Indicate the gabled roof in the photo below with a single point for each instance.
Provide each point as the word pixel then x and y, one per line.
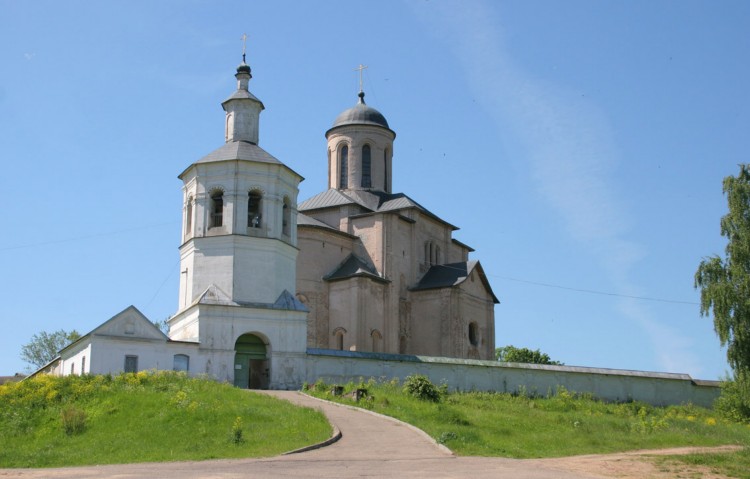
pixel 352 267
pixel 214 295
pixel 452 274
pixel 288 301
pixel 129 313
pixel 370 201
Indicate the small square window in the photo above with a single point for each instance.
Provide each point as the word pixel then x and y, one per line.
pixel 181 362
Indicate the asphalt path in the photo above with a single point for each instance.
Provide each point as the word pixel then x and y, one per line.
pixel 370 446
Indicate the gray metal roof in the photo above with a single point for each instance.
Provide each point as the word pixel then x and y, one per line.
pixel 400 201
pixel 452 274
pixel 326 199
pixel 304 220
pixel 360 114
pixel 244 95
pixel 289 302
pixel 240 150
pixel 351 267
pixel 370 201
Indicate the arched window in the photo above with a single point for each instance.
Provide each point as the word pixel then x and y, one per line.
pixel 431 253
pixel 474 333
pixel 286 217
pixel 366 167
pixel 189 216
pixel 83 365
pixel 344 167
pixel 254 199
pixel 181 362
pixel 338 334
pixel 217 209
pixel 228 126
pixel 385 169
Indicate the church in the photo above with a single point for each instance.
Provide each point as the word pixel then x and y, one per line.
pixel 265 280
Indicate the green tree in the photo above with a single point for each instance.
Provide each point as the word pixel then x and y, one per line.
pixel 725 284
pixel 512 354
pixel 725 292
pixel 163 325
pixel 44 346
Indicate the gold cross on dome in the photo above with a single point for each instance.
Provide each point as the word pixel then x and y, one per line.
pixel 361 68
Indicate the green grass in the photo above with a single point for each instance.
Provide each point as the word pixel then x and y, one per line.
pixel 563 424
pixel 736 464
pixel 145 417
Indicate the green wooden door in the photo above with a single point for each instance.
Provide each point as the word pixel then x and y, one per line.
pixel 250 352
pixel 241 370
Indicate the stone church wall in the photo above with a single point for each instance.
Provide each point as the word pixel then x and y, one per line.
pixel 659 389
pixel 320 253
pixel 369 230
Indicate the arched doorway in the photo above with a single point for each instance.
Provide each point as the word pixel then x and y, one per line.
pixel 250 363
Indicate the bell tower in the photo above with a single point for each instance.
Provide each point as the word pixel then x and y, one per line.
pixel 239 231
pixel 238 257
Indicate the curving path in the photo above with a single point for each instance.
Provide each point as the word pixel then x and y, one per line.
pixel 370 446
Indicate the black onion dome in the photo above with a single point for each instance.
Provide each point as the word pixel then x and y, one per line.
pixel 360 114
pixel 243 68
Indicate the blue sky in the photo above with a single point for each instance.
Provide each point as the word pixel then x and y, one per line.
pixel 579 145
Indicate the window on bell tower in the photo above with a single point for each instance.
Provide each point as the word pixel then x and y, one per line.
pixel 366 167
pixel 344 167
pixel 217 209
pixel 254 199
pixel 286 217
pixel 189 217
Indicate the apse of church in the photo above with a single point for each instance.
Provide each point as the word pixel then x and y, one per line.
pixel 378 271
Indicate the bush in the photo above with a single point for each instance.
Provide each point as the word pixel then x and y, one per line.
pixel 734 402
pixel 73 420
pixel 237 433
pixel 420 387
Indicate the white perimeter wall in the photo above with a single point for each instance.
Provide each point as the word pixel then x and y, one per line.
pixel 659 389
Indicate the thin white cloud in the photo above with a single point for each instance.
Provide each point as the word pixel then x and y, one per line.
pixel 571 154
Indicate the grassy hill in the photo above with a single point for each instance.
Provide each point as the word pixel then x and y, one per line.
pixel 77 420
pixel 557 424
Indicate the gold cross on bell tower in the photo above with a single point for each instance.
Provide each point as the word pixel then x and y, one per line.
pixel 361 68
